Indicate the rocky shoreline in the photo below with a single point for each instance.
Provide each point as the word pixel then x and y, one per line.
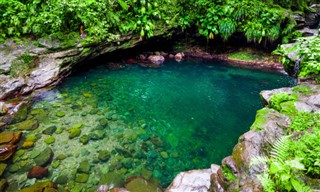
pixel 53 65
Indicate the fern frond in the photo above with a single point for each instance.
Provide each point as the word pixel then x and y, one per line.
pixel 259 160
pixel 280 149
pixel 266 182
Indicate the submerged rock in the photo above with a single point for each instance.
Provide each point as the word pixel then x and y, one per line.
pixel 60 114
pixel 74 132
pixel 41 187
pixel 6 151
pixel 49 130
pixel 29 124
pixel 104 155
pixel 84 167
pixel 84 139
pixel 10 137
pixel 49 140
pixel 62 179
pixel 38 172
pixel 44 158
pixel 138 184
pixel 27 144
pixel 82 178
pixel 112 179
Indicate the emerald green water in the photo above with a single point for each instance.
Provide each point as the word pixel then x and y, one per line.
pixel 179 117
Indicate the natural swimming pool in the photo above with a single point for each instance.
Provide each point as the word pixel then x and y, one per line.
pixel 102 124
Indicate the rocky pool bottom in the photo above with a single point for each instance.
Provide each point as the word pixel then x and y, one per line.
pixel 103 127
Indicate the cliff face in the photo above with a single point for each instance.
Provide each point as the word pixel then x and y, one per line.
pixel 33 64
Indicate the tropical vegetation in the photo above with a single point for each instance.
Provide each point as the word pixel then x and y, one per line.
pixel 295 156
pixel 259 21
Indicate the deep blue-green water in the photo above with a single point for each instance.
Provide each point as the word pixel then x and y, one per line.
pixel 162 121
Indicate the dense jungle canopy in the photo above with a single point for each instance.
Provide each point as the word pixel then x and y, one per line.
pixel 109 19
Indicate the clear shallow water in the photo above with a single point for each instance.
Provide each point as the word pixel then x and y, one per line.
pixel 162 121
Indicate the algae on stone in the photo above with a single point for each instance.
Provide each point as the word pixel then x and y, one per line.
pixel 82 178
pixel 49 140
pixel 44 158
pixel 260 120
pixel 74 132
pixel 29 124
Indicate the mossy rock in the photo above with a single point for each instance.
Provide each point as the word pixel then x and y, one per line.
pixel 49 140
pixel 60 114
pixel 55 164
pixel 164 154
pixel 77 125
pixel 31 138
pixel 84 167
pixel 112 179
pixel 81 178
pixel 104 155
pixel 260 120
pixel 103 122
pixel 30 124
pixel 84 139
pixel 74 132
pixel 62 180
pixel 61 157
pixel 59 130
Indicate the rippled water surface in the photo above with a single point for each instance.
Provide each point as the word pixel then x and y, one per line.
pixel 149 122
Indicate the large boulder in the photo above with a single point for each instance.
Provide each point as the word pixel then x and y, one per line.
pixel 195 180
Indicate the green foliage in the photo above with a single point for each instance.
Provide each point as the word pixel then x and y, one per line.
pixel 304 121
pixel 277 99
pixel 283 171
pixel 303 89
pixel 106 20
pixel 244 56
pixel 227 172
pixel 308 54
pixel 307 148
pixel 260 120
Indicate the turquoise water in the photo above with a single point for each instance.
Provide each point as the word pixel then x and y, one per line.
pixel 154 122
